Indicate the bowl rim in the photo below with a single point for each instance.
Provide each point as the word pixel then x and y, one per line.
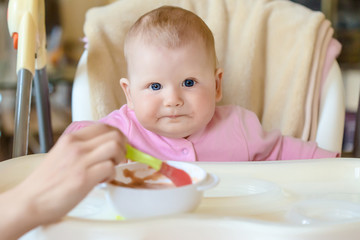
pixel 193 185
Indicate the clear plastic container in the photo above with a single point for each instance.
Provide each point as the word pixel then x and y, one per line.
pixel 249 196
pixel 320 211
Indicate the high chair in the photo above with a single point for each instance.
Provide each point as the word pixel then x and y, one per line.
pixel 278 59
pixel 26 23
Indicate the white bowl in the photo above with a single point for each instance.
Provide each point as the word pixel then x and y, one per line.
pixel 133 203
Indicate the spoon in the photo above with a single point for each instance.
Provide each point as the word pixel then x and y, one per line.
pixel 178 176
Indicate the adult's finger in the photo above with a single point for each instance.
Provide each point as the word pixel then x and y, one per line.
pixel 93 130
pixel 96 135
pixel 110 145
pixel 103 171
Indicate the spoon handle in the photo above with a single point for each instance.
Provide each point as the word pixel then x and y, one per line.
pixel 138 156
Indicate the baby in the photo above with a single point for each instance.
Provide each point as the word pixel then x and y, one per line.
pixel 172 89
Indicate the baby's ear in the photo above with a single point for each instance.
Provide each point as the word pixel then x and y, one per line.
pixel 125 85
pixel 218 80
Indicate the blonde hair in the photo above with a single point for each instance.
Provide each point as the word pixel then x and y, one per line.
pixel 171 27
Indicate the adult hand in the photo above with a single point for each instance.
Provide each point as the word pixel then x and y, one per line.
pixel 78 161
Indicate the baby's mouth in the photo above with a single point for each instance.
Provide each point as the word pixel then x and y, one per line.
pixel 173 116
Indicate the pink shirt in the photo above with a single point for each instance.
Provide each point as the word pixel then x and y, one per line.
pixel 233 134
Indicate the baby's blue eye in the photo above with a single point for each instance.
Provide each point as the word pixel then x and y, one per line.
pixel 188 83
pixel 155 86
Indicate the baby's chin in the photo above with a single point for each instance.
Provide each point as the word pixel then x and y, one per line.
pixel 174 134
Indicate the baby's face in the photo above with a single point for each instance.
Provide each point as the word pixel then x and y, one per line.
pixel 172 91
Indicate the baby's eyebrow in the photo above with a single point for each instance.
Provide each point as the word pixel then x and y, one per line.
pixel 191 78
pixel 148 81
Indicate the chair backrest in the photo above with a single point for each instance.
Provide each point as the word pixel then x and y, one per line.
pixel 273 53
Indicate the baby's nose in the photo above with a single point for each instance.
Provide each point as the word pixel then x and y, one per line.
pixel 173 98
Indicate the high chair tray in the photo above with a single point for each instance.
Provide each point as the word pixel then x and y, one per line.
pixel 303 199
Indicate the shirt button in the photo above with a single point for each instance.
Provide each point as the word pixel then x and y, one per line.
pixel 185 151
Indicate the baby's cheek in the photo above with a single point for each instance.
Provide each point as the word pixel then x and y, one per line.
pixel 147 119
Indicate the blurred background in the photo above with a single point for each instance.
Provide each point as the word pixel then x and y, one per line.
pixel 64 30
